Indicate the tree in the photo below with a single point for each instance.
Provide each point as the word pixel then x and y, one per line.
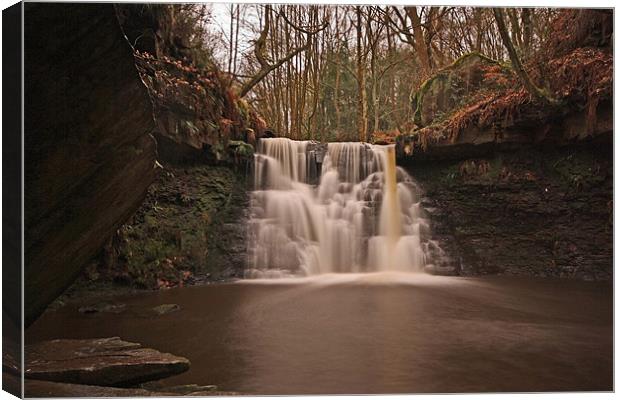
pixel 527 82
pixel 361 54
pixel 260 50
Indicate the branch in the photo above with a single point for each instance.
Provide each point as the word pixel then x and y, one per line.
pixel 307 31
pixel 267 68
pixel 261 43
pixel 260 49
pixel 534 90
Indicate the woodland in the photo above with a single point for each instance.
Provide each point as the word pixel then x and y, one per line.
pixel 428 180
pixel 316 71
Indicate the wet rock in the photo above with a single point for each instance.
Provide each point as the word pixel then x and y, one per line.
pixel 180 390
pixel 38 388
pixel 104 362
pixel 516 217
pixel 440 270
pixel 166 309
pixel 88 141
pixel 102 307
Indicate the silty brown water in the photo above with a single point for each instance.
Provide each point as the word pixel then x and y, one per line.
pixel 370 333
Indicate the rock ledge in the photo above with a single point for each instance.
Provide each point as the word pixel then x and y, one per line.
pixel 102 362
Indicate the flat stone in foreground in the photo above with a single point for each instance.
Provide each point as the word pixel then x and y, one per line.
pixel 101 362
pixel 35 388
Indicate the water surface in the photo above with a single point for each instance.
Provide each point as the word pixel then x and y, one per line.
pixel 370 333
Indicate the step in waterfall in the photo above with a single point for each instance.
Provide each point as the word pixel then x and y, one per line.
pixel 344 207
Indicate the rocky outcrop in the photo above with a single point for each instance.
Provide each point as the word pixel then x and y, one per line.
pixel 515 185
pixel 543 212
pixel 533 127
pixel 89 153
pixel 190 228
pixel 103 362
pixel 197 110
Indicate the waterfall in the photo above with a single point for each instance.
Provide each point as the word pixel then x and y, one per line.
pixel 363 215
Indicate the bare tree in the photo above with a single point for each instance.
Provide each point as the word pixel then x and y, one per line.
pixel 527 82
pixel 260 50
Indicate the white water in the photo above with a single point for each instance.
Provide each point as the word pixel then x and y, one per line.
pixel 363 216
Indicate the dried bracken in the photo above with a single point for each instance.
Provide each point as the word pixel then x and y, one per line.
pixel 198 105
pixel 579 79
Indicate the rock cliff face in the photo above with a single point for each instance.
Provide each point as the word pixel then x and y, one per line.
pixel 197 114
pixel 89 151
pixel 536 211
pixel 190 228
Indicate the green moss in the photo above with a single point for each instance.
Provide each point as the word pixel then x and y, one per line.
pixel 243 108
pixel 180 226
pixel 424 89
pixel 576 169
pixel 242 148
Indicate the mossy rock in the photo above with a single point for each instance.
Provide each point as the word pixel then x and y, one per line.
pixel 241 148
pixel 171 241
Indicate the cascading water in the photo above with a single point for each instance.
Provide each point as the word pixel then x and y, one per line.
pixel 363 216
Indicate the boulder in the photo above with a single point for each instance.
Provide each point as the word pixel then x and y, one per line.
pixel 90 156
pixel 103 362
pixel 166 308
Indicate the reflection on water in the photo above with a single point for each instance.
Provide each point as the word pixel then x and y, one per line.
pixel 371 333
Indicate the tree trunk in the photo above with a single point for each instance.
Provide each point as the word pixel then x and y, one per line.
pixel 534 90
pixel 362 106
pixel 420 45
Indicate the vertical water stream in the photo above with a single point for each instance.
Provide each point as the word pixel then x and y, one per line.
pixel 362 216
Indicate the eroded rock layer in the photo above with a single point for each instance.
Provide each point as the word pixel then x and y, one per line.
pixel 89 153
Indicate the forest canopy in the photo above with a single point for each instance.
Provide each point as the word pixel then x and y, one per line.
pixel 355 72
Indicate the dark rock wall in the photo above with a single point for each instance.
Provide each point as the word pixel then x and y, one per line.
pixel 534 211
pixel 89 153
pixel 191 228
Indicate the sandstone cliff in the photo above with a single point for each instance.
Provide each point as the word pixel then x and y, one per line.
pixel 89 151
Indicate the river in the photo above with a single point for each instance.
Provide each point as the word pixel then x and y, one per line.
pixel 382 332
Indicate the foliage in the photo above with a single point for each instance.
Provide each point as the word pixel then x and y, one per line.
pixel 196 105
pixel 579 79
pixel 452 85
pixel 176 234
